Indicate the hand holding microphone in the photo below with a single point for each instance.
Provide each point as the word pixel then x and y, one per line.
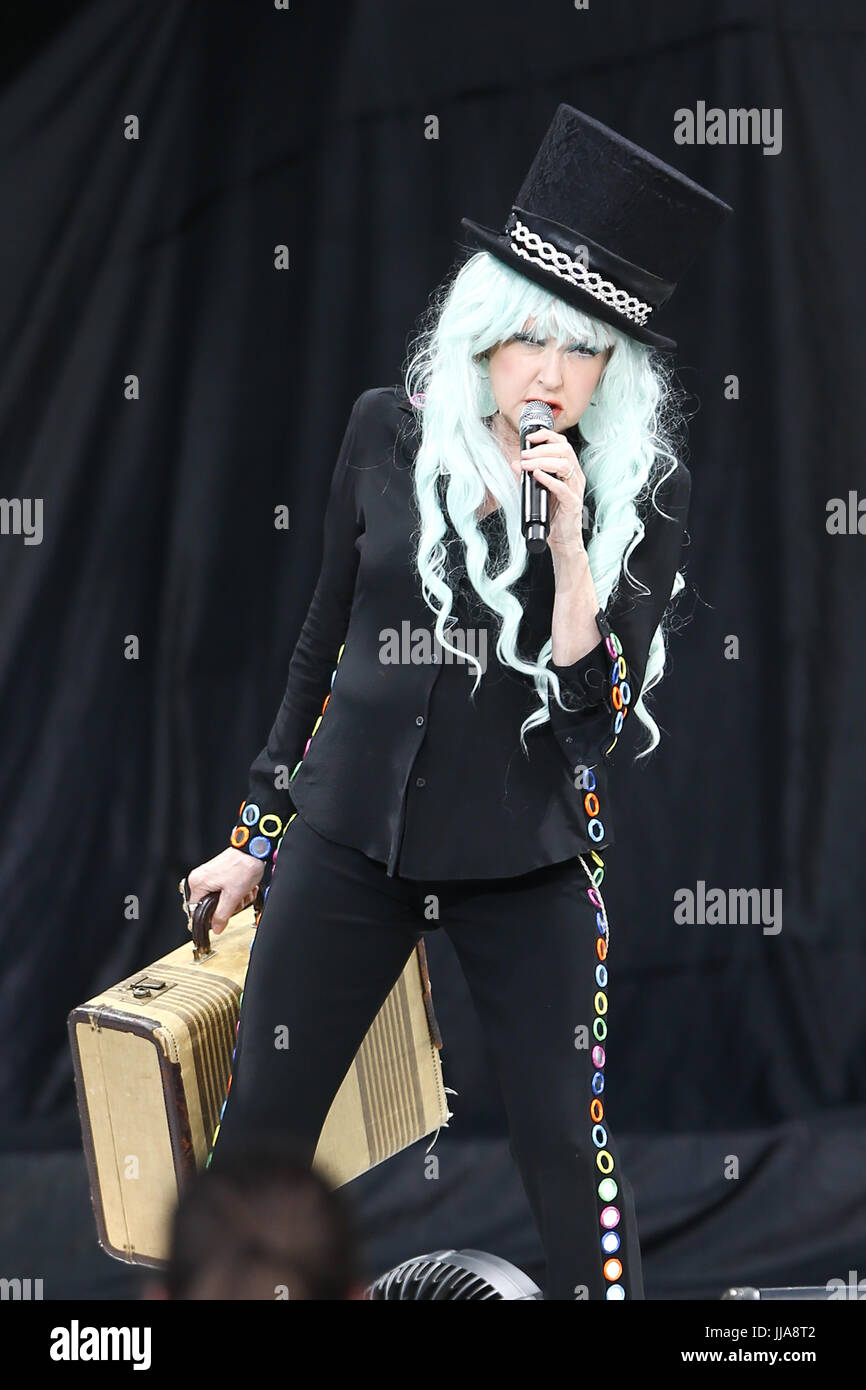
pixel 554 456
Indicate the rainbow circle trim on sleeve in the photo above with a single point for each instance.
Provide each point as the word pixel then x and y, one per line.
pixel 251 833
pixel 619 699
pixel 259 833
pixel 313 734
pixel 620 689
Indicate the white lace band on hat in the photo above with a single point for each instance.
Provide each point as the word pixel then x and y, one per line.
pixel 573 270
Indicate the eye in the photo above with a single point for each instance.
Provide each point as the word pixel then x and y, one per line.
pixel 581 349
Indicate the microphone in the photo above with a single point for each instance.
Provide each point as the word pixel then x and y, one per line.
pixel 536 510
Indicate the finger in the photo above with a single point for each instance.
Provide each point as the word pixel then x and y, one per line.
pixel 552 465
pixel 225 908
pixel 565 497
pixel 556 446
pixel 200 889
pixel 557 467
pixel 552 481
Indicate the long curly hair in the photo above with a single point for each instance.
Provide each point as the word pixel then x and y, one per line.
pixel 626 446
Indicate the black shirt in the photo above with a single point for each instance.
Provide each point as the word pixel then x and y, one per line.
pixel 392 757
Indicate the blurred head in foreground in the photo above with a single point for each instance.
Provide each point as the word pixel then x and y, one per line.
pixel 262 1225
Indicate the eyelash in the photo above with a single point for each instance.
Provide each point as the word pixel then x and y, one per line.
pixel 527 338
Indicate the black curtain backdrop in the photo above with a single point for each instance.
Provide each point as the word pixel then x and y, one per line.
pixel 153 257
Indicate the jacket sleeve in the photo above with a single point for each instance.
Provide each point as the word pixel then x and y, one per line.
pixel 268 807
pixel 603 685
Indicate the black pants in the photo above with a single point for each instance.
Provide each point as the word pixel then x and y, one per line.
pixel 334 935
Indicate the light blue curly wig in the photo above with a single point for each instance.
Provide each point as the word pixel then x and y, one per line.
pixel 633 424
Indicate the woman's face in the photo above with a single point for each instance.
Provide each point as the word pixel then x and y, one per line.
pixel 524 368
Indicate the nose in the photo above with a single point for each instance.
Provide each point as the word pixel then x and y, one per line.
pixel 550 369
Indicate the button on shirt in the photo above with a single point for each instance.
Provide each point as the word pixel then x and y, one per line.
pixel 381 745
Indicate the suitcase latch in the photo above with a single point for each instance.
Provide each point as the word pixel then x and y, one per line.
pixel 147 986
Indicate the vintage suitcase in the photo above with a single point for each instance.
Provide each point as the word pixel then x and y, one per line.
pixel 152 1059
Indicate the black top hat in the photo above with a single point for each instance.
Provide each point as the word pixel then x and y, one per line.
pixel 604 224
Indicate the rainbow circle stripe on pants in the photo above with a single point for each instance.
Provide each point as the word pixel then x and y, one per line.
pixel 608 1214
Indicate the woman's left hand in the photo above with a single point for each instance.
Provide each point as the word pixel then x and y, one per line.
pixel 554 457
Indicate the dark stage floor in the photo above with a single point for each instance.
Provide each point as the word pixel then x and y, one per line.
pixel 796 1214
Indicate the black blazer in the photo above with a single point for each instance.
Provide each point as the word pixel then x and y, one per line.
pixel 376 742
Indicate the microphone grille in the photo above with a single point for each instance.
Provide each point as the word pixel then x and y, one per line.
pixel 536 414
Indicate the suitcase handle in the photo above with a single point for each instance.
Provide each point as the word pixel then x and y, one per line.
pixel 199 919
